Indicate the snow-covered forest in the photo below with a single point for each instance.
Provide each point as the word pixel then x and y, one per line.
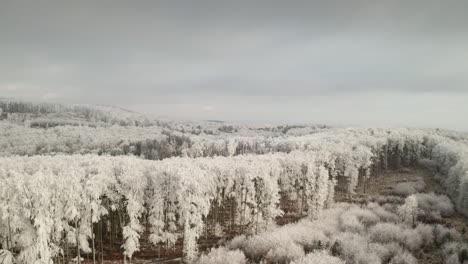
pixel 95 184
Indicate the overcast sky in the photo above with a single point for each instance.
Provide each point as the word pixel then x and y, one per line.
pixel 350 62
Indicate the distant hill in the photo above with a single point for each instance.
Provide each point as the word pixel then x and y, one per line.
pixel 47 115
pixel 41 114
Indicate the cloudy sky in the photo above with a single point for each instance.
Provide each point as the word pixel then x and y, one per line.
pixel 350 62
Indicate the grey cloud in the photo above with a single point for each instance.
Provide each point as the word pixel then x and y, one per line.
pixel 194 52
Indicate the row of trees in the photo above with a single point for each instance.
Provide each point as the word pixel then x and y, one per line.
pixel 19 110
pixel 451 160
pixel 52 204
pixel 47 115
pixel 155 143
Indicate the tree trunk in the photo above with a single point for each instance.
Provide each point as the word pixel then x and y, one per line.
pixel 9 241
pixel 256 224
pixel 92 238
pixel 112 226
pixel 241 210
pixel 233 208
pixel 298 201
pixel 66 250
pixel 78 242
pixel 63 256
pixel 245 208
pixel 100 242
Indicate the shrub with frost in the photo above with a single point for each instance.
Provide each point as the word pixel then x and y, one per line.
pixel 237 242
pixel 411 239
pixel 309 235
pixel 284 253
pixel 350 223
pixel 385 251
pixel 455 252
pixel 311 239
pixel 355 249
pixel 257 247
pixel 409 210
pixel 355 219
pixel 391 233
pixel 390 207
pixel 277 244
pixel 403 257
pixel 443 235
pixel 351 234
pixel 221 256
pixel 384 215
pixel 433 204
pixel 319 257
pixel 218 230
pixel 426 233
pixel 6 257
pixel 452 259
pixel 385 233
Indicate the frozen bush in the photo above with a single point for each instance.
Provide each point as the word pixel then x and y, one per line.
pixel 306 235
pixel 411 239
pixel 409 210
pixel 451 247
pixel 284 253
pixel 257 247
pixel 237 242
pixel 221 256
pixel 460 250
pixel 426 232
pixel 310 239
pixel 6 257
pixel 380 250
pixel 385 251
pixel 430 216
pixel 319 257
pixel 274 243
pixel 350 223
pixel 384 215
pixel 430 202
pixel 355 218
pixel 367 235
pixel 403 257
pixel 355 249
pixel 218 230
pixel 385 233
pixel 389 207
pixel 453 259
pixel 443 235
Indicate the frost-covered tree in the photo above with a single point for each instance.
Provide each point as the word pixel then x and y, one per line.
pixel 409 210
pixel 51 204
pixel 221 256
pixel 6 257
pixel 320 192
pixel 320 257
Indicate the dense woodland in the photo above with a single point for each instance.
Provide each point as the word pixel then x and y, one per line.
pixel 67 190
